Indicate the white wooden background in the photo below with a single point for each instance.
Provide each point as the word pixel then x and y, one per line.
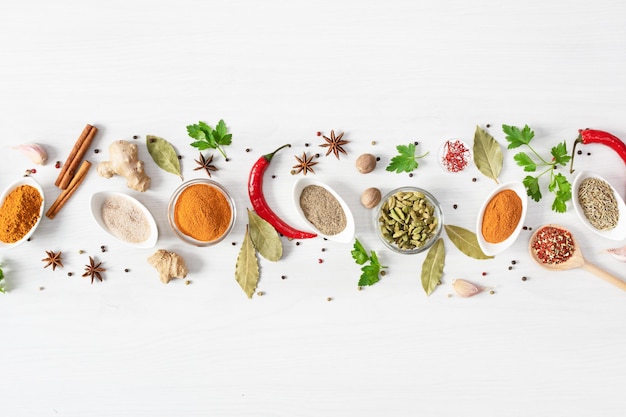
pixel 279 71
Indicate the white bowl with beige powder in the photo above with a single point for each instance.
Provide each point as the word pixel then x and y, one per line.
pixel 124 218
pixel 323 210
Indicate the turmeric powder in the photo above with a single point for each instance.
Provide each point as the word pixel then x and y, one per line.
pixel 502 214
pixel 202 212
pixel 19 213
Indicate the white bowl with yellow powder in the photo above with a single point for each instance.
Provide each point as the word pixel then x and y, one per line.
pixel 21 208
pixel 501 217
pixel 323 210
pixel 599 206
pixel 124 218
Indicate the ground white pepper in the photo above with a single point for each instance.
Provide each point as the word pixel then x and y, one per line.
pixel 323 210
pixel 125 220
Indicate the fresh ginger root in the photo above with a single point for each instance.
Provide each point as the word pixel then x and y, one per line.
pixel 168 264
pixel 124 162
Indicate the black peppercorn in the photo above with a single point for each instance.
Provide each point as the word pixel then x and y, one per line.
pixel 455 206
pixel 96 150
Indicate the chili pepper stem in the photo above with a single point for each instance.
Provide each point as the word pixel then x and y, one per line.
pixel 578 140
pixel 270 155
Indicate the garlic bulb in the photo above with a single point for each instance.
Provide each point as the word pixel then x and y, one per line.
pixel 35 152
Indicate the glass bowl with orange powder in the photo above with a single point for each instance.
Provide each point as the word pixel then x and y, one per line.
pixel 201 212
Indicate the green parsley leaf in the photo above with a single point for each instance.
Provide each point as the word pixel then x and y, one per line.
pixel 406 161
pixel 209 138
pixel 359 254
pixel 560 154
pixel 1 281
pixel 369 275
pixel 517 137
pixel 532 187
pixel 525 161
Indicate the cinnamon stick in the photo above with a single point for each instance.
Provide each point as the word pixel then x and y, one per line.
pixel 76 155
pixel 69 191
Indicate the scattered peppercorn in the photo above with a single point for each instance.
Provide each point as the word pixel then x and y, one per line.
pixel 180 157
pixel 273 176
pixel 33 171
pixel 455 206
pixel 29 239
pixel 227 159
pixel 297 243
pixel 41 288
pixel 513 262
pixel 57 164
pixel 329 299
pixel 373 142
pixel 317 155
pixel 126 270
pixel 293 172
pixel 474 179
pixel 588 153
pixel 319 133
pixel 492 292
pixel 484 274
pixel 525 227
pixel 319 261
pixel 187 282
pixel 323 249
pixel 306 144
pixel 69 274
pixel 247 149
pixel 80 251
pixel 524 278
pixel 510 267
pixel 96 151
pixel 579 152
pixel 135 137
pixel 283 277
pixel 378 158
pixel 233 243
pixel 383 273
pixel 416 143
pixel 260 293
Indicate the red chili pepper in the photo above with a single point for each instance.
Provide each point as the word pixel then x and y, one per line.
pixel 598 136
pixel 255 191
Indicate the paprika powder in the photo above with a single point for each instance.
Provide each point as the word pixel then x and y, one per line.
pixel 502 215
pixel 203 212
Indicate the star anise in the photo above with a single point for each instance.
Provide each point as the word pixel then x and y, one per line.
pixel 205 163
pixel 53 259
pixel 334 144
pixel 93 270
pixel 305 164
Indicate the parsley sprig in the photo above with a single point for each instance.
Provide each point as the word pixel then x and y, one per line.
pixel 370 273
pixel 558 183
pixel 206 137
pixel 1 280
pixel 406 160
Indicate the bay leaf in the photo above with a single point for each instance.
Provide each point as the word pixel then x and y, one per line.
pixel 487 154
pixel 163 154
pixel 247 267
pixel 466 241
pixel 265 238
pixel 432 268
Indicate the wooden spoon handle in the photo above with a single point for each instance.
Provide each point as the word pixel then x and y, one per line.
pixel 611 279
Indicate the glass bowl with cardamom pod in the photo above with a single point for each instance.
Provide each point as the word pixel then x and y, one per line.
pixel 201 212
pixel 408 220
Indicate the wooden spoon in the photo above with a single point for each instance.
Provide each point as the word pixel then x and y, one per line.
pixel 576 261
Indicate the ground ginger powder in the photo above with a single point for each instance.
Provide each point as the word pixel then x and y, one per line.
pixel 19 213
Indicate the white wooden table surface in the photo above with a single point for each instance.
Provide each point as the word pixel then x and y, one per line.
pixel 277 72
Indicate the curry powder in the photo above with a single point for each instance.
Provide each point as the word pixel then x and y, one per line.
pixel 19 213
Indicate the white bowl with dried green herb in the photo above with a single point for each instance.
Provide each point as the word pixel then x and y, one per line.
pixel 599 206
pixel 408 220
pixel 323 210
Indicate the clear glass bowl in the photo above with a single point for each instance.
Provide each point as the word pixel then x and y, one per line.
pixel 172 205
pixel 437 213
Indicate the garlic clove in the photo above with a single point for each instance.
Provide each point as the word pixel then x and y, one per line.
pixel 465 288
pixel 34 152
pixel 618 253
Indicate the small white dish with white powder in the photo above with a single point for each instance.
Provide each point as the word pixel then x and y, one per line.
pixel 124 218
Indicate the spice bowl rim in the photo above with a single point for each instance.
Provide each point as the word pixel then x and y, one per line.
pixel 27 180
pixel 98 198
pixel 438 212
pixel 619 231
pixel 347 234
pixel 492 249
pixel 172 203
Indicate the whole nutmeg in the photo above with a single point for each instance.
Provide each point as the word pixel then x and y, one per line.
pixel 366 163
pixel 370 197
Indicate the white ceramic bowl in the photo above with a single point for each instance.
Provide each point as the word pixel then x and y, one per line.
pixel 347 234
pixel 23 181
pixel 98 199
pixel 492 249
pixel 619 231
